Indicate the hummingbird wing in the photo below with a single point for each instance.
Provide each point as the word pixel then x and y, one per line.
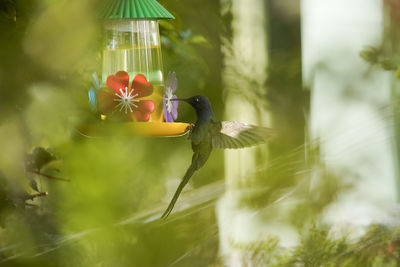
pixel 232 134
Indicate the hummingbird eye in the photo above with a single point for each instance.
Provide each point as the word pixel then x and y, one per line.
pixel 196 99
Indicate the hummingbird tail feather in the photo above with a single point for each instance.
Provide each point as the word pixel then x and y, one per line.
pixel 184 181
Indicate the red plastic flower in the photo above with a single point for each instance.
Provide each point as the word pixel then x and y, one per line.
pixel 126 99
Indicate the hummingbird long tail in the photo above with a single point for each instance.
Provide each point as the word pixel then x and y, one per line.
pixel 184 181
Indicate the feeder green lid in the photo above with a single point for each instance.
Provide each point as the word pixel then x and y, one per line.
pixel 133 9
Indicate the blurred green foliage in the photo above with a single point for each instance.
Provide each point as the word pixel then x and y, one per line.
pixel 378 247
pixel 106 215
pixel 49 51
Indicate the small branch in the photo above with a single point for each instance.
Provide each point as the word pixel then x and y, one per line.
pixel 49 176
pixel 41 194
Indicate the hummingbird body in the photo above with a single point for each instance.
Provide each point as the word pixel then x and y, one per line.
pixel 207 133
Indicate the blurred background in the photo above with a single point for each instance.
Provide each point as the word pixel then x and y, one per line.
pixel 323 192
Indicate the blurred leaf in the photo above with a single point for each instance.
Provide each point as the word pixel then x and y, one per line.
pixel 32 183
pixel 388 64
pixel 370 54
pixel 198 39
pixel 38 158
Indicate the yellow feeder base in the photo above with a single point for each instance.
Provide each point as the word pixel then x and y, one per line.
pixel 134 129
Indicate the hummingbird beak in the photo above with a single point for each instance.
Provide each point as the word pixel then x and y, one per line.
pixel 179 99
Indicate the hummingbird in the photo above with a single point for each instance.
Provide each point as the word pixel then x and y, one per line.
pixel 207 134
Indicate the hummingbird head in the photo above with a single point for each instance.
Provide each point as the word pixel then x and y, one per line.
pixel 201 104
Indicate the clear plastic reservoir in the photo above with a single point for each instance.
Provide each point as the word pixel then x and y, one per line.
pixel 134 46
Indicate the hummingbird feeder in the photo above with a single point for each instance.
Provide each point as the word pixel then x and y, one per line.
pixel 132 81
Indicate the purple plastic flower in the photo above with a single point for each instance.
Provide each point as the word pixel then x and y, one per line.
pixel 170 107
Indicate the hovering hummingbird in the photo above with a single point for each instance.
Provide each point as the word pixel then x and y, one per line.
pixel 207 134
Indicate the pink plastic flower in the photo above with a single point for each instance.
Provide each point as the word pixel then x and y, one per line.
pixel 125 99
